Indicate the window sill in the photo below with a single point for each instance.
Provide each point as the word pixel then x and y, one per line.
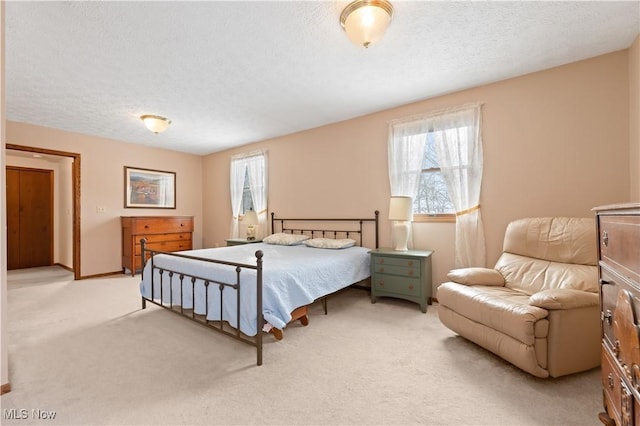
pixel 425 218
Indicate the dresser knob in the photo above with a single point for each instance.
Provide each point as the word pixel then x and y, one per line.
pixel 607 316
pixel 410 273
pixel 411 287
pixel 410 263
pixel 605 238
pixel 146 227
pixel 381 283
pixel 381 270
pixel 182 224
pixel 381 260
pixel 604 282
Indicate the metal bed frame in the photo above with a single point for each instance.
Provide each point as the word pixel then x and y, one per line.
pixel 221 325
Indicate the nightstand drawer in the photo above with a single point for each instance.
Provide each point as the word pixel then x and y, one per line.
pixel 397 285
pixel 396 261
pixel 398 270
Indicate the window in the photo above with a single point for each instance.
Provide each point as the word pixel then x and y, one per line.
pixel 248 178
pixel 432 200
pixel 247 200
pixel 455 135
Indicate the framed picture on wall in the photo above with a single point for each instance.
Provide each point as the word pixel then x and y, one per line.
pixel 149 189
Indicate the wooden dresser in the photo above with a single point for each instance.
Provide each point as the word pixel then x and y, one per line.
pixel 618 229
pixel 165 233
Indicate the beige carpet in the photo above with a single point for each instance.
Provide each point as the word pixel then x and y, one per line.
pixel 86 350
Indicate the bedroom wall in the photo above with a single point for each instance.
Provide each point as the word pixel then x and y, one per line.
pixel 556 142
pixel 634 119
pixel 5 386
pixel 102 184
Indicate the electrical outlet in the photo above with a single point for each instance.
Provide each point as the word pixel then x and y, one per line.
pixel 100 209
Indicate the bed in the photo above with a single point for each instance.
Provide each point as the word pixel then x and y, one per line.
pixel 246 290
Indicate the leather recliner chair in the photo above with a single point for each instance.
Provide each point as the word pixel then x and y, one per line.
pixel 539 307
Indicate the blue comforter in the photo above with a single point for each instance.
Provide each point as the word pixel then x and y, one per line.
pixel 293 276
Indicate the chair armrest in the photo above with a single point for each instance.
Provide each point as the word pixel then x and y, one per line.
pixel 564 298
pixel 476 276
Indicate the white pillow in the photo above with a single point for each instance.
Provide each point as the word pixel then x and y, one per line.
pixel 284 239
pixel 330 243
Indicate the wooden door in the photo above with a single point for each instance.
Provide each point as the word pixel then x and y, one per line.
pixel 29 217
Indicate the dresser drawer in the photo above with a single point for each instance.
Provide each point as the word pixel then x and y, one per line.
pixel 152 238
pixel 161 225
pixel 610 285
pixel 611 385
pixel 166 246
pixel 619 248
pixel 397 285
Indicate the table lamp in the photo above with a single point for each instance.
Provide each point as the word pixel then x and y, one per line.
pixel 251 220
pixel 401 211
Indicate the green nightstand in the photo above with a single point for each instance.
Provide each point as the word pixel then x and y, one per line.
pixel 240 241
pixel 401 274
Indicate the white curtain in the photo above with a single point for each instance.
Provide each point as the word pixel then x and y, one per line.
pixel 458 139
pixel 238 167
pixel 255 165
pixel 407 140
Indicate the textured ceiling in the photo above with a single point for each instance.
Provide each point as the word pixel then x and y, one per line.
pixel 235 72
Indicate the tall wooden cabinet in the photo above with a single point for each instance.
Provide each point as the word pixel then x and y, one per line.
pixel 164 233
pixel 618 229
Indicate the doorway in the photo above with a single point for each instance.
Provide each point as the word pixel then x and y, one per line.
pixel 75 183
pixel 29 217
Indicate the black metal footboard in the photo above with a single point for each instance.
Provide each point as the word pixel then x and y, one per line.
pixel 184 278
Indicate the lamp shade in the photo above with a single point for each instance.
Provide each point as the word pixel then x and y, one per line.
pixel 155 123
pixel 400 208
pixel 250 218
pixel 365 21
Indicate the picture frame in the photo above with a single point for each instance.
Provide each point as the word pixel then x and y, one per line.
pixel 149 189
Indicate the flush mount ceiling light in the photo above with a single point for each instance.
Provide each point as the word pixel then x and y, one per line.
pixel 155 123
pixel 365 21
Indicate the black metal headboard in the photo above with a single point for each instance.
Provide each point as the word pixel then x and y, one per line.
pixel 345 227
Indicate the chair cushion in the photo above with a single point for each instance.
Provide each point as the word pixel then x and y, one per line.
pixel 500 308
pixel 530 275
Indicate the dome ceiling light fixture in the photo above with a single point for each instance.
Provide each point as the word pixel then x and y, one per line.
pixel 155 123
pixel 365 21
